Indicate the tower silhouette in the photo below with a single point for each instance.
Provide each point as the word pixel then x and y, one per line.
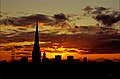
pixel 44 58
pixel 44 55
pixel 36 53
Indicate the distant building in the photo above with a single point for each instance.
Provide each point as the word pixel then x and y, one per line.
pixel 58 57
pixel 44 59
pixel 44 55
pixel 24 60
pixel 85 59
pixel 70 58
pixel 36 54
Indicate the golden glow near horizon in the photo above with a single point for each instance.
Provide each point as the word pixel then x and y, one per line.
pixel 51 52
pixel 7 56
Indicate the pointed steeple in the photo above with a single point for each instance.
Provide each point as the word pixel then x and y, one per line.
pixel 36 54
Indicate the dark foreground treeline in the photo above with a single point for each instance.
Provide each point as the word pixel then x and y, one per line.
pixel 60 70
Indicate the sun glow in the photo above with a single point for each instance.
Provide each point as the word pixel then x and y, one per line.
pixel 40 24
pixel 60 49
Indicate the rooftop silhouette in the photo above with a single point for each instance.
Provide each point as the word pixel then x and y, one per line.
pixel 57 68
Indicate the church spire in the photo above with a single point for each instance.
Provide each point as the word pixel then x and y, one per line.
pixel 36 54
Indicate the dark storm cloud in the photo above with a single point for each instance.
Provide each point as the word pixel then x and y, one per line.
pixel 60 17
pixel 103 15
pixel 107 44
pixel 115 44
pixel 40 17
pixel 24 53
pixel 21 37
pixel 108 20
pixel 5 34
pixel 60 20
pixel 8 48
pixel 88 9
pixel 12 30
pixel 99 10
pixel 31 20
pixel 26 20
pixel 18 47
pixel 96 10
pixel 93 30
pixel 110 47
pixel 99 43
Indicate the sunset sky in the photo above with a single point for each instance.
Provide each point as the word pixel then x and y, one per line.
pixel 81 28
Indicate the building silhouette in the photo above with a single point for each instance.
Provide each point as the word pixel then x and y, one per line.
pixel 44 58
pixel 24 60
pixel 58 57
pixel 70 58
pixel 36 53
pixel 85 59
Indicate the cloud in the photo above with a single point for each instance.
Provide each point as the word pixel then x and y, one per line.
pixel 8 48
pixel 93 30
pixel 107 44
pixel 88 9
pixel 57 20
pixel 22 29
pixel 18 47
pixel 73 17
pixel 103 15
pixel 61 17
pixel 26 20
pixel 96 43
pixel 23 53
pixel 14 30
pixel 100 10
pixel 1 16
pixel 4 34
pixel 108 20
pixel 31 20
